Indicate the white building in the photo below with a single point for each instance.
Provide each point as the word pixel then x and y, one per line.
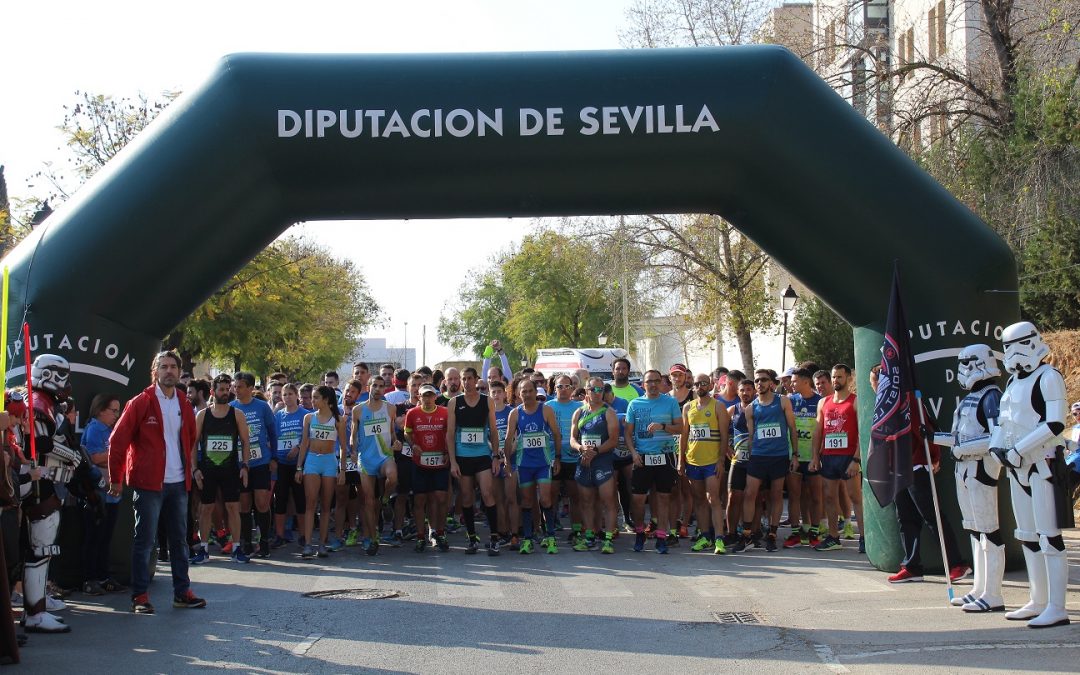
pixel 375 352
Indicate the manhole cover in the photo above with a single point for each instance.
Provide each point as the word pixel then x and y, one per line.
pixel 737 617
pixel 355 594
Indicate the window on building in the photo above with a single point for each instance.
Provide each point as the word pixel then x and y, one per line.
pixel 941 28
pixel 931 32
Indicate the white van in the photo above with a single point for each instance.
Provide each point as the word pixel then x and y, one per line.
pixel 597 361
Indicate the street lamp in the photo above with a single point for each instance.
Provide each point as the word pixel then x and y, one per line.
pixel 787 303
pixel 602 339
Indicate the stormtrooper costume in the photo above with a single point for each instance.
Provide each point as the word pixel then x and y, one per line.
pixel 54 442
pixel 977 473
pixel 1028 441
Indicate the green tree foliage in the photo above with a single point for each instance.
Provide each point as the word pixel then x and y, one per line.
pixel 554 290
pixel 818 334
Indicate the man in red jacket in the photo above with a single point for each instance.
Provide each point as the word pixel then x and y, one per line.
pixel 150 449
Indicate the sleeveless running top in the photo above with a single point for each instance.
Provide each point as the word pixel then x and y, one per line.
pixel 374 435
pixel 534 443
pixel 471 434
pixel 502 419
pixel 703 442
pixel 740 436
pixel 841 427
pixel 770 430
pixel 290 427
pixel 805 410
pixel 322 431
pixel 593 426
pixel 220 441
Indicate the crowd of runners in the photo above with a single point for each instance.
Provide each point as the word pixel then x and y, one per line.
pixel 427 459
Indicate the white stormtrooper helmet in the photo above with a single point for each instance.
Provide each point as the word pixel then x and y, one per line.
pixel 976 363
pixel 51 373
pixel 1024 347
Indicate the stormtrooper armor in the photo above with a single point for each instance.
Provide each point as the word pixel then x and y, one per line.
pixel 1028 441
pixel 977 472
pixel 54 440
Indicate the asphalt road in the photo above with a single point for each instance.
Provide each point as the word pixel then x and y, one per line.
pixel 571 612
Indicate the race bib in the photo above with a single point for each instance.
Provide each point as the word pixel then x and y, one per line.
pixel 767 431
pixel 374 427
pixel 699 432
pixel 654 460
pixel 502 436
pixel 254 452
pixel 286 444
pixel 434 460
pixel 622 452
pixel 323 434
pixel 406 450
pixel 351 466
pixel 471 435
pixel 591 441
pixel 742 451
pixel 836 441
pixel 534 441
pixel 219 444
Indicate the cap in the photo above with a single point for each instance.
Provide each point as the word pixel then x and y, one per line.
pixel 428 389
pixel 790 372
pixel 678 368
pixel 1075 407
pixel 540 391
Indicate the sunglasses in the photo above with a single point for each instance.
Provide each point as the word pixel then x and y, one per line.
pixel 762 379
pixel 114 410
pixel 564 386
pixel 703 384
pixel 600 390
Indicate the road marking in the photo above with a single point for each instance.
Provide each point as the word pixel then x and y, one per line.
pixel 964 648
pixel 307 644
pixel 829 660
pixel 592 585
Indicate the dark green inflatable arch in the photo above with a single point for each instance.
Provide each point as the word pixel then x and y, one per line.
pixel 748 133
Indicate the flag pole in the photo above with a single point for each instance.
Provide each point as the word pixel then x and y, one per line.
pixel 933 493
pixel 4 326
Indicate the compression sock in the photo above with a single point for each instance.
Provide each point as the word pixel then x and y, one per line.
pixel 527 523
pixel 469 516
pixel 262 519
pixel 245 527
pixel 549 521
pixel 492 515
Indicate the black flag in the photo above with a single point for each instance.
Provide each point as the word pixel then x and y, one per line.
pixel 888 462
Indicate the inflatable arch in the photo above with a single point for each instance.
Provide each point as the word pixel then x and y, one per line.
pixel 749 133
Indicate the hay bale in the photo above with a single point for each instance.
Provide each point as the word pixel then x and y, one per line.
pixel 1065 356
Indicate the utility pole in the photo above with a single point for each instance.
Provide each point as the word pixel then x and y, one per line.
pixel 424 349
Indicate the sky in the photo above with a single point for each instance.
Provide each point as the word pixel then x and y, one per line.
pixel 52 49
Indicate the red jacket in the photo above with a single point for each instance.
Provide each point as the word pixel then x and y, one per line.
pixel 137 442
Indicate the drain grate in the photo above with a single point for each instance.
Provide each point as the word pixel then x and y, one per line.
pixel 355 594
pixel 737 617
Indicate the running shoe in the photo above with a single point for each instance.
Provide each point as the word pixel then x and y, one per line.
pixel 581 545
pixel 739 546
pixel 493 547
pixel 92 588
pixel 442 543
pixel 650 527
pixel 804 537
pixel 278 542
pixel 240 557
pixel 628 527
pixel 758 541
pixel 323 552
pixel 398 539
pixel 718 547
pixel 473 545
pixel 957 572
pixel 335 545
pixel 264 549
pixel 829 543
pixel 188 600
pixel 352 538
pixel 639 542
pixel 849 530
pixel 201 556
pixel 661 545
pixel 140 604
pixel 549 544
pixel 421 544
pixel 452 525
pixel 904 577
pixel 572 538
pixel 227 549
pixel 770 543
pixel 682 531
pixel 862 545
pixel 308 552
pixel 515 543
pixel 701 544
pixel 607 547
pixel 526 546
pixel 590 543
pixel 813 541
pixel 672 539
pixel 372 548
pixel 793 540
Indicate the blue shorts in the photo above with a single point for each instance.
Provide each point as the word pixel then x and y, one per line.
pixel 597 473
pixel 372 468
pixel 700 472
pixel 321 465
pixel 426 481
pixel 834 467
pixel 527 475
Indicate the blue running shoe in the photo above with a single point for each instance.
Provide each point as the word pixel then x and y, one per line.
pixel 639 542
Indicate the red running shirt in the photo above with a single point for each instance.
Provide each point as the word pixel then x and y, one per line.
pixel 840 431
pixel 428 431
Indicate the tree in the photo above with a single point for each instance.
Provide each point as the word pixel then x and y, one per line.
pixel 818 334
pixel 554 290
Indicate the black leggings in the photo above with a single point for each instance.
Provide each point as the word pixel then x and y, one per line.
pixel 285 486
